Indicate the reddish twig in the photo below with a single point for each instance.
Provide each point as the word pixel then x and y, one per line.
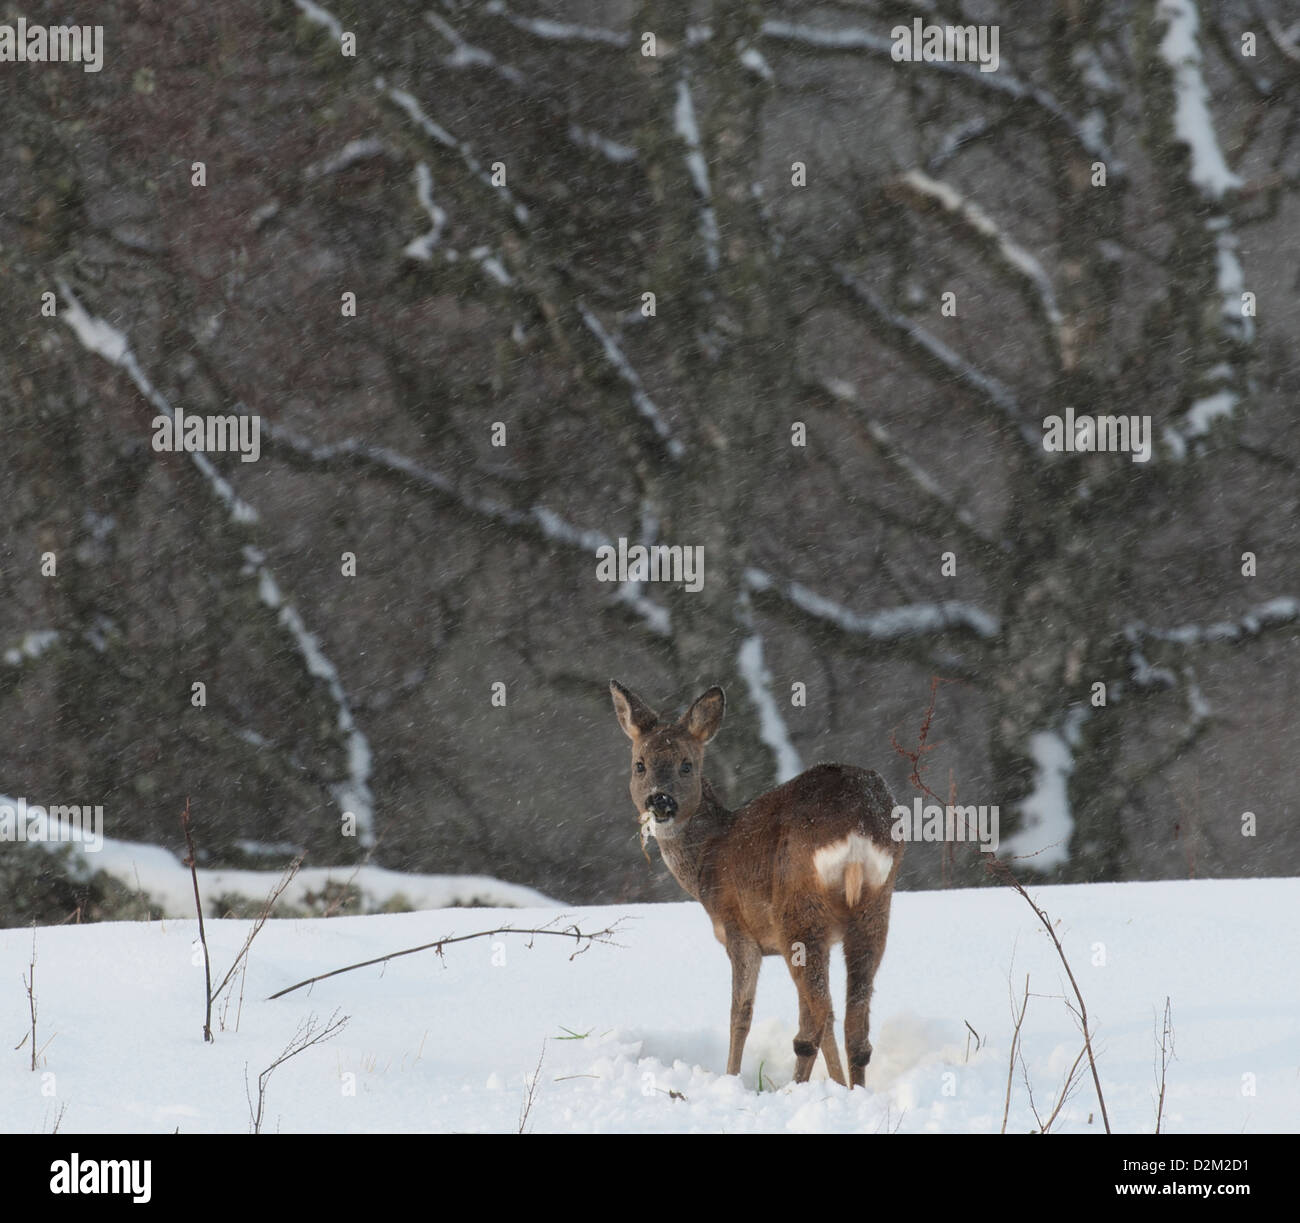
pixel 923 745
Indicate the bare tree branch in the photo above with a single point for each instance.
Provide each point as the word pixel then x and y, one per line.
pixel 969 220
pixel 941 361
pixel 353 794
pixel 582 937
pixel 820 41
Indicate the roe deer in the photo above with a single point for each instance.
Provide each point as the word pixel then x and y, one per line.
pixel 792 873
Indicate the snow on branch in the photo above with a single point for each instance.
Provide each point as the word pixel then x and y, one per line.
pixel 936 496
pixel 1193 123
pixel 1221 386
pixel 106 341
pixel 1200 719
pixel 1142 672
pixel 992 391
pixel 538 522
pixel 632 592
pixel 406 102
pixel 31 647
pixel 466 55
pixel 926 193
pixel 827 40
pixel 853 42
pixel 614 151
pixel 422 248
pixel 643 403
pixel 893 624
pixel 556 31
pixel 352 794
pixel 772 730
pixel 1286 41
pixel 1275 613
pixel 957 138
pixel 686 126
pixel 322 17
pixel 351 153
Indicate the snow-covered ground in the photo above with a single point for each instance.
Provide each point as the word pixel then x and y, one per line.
pixel 160 874
pixel 166 881
pixel 634 1037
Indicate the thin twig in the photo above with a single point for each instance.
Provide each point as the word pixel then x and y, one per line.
pixel 1003 871
pixel 287 878
pixel 1015 1041
pixel 1067 1090
pixel 203 938
pixel 531 1089
pixel 1166 1056
pixel 1029 1091
pixel 29 980
pixel 584 939
pixel 308 1034
pixel 923 746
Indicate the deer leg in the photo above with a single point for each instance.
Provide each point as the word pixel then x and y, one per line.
pixel 746 960
pixel 809 964
pixel 831 1052
pixel 864 943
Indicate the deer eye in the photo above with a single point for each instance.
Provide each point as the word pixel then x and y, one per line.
pixel 640 766
pixel 686 766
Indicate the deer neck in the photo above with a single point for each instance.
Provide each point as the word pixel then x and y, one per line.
pixel 684 849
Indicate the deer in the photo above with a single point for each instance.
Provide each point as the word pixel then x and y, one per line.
pixel 795 871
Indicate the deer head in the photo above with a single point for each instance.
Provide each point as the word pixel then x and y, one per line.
pixel 667 757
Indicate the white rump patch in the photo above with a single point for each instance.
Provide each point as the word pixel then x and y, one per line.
pixel 831 860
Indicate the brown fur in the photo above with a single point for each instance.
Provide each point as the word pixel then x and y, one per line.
pixel 754 872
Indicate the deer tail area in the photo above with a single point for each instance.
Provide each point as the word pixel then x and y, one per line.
pixel 853 878
pixel 855 863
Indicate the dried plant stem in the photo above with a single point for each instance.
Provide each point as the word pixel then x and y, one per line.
pixel 1003 871
pixel 1015 1045
pixel 530 1091
pixel 287 878
pixel 582 937
pixel 203 938
pixel 308 1034
pixel 1166 1056
pixel 29 980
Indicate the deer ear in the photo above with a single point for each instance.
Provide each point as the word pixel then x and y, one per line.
pixel 704 718
pixel 634 715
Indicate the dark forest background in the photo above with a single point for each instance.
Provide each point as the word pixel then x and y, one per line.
pixel 481 304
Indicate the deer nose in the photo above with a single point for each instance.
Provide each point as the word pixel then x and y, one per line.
pixel 664 806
